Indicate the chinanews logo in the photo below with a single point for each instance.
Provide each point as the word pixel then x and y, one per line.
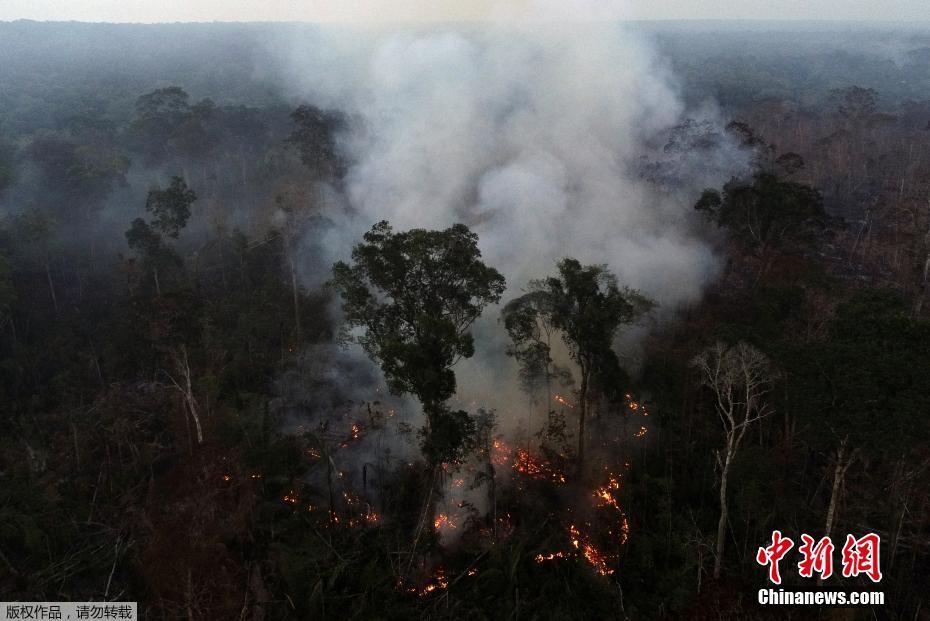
pixel 858 557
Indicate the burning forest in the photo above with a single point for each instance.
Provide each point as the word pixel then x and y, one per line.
pixel 537 317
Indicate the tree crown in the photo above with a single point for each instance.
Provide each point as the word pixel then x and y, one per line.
pixel 415 294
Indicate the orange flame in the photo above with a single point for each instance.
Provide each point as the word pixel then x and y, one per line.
pixel 538 469
pixel 500 453
pixel 563 401
pixel 595 558
pixel 542 558
pixel 438 582
pixel 443 521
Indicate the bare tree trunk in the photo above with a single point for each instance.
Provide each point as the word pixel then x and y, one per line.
pixel 492 488
pixel 837 470
pixel 427 515
pixel 729 371
pixel 724 514
pixel 330 467
pixel 839 474
pixel 548 371
pixel 582 415
pixel 897 534
pixel 187 390
pixel 157 284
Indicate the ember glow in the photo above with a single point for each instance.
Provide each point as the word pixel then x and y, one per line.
pixel 542 558
pixel 605 493
pixel 636 406
pixel 438 582
pixel 584 547
pixel 526 464
pixel 563 401
pixel 368 519
pixel 443 521
pixel 501 453
pixel 354 434
pixel 599 561
pixel 606 496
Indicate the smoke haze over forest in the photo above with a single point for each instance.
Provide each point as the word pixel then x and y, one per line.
pixel 256 402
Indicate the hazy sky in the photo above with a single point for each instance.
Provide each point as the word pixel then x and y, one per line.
pixel 454 10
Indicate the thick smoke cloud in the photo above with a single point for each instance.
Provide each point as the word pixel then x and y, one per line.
pixel 532 134
pixel 532 138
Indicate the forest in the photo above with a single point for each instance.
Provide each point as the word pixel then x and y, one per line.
pixel 438 326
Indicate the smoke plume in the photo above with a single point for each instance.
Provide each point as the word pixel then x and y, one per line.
pixel 533 134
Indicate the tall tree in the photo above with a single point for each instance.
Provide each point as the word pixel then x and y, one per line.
pixel 293 210
pixel 587 307
pixel 738 377
pixel 527 320
pixel 414 295
pixel 145 241
pixel 159 115
pixel 77 176
pixel 766 213
pixel 315 139
pixel 170 209
pixel 38 235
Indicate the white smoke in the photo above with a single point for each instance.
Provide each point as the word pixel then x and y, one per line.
pixel 535 135
pixel 529 136
pixel 532 134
